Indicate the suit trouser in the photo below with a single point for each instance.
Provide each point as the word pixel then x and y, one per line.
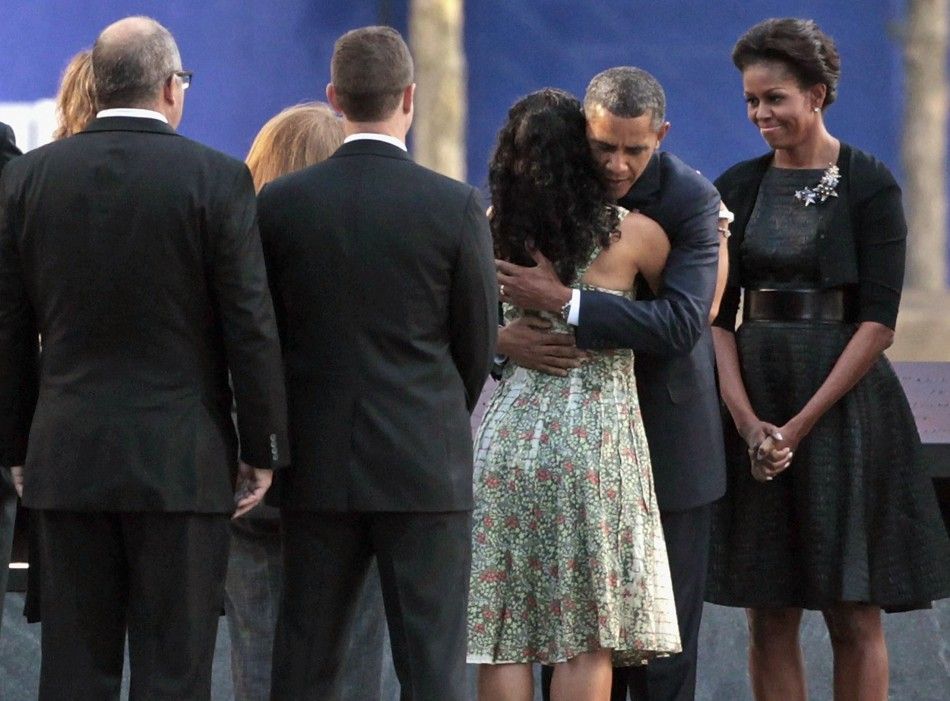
pixel 424 561
pixel 158 576
pixel 672 678
pixel 8 503
pixel 252 598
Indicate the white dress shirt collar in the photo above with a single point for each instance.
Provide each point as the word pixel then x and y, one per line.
pixel 371 136
pixel 132 112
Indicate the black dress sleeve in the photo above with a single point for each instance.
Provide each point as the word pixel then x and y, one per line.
pixel 881 242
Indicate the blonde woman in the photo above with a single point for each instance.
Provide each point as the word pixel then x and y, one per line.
pixel 297 137
pixel 76 99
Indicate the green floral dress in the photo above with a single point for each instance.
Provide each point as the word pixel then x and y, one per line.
pixel 568 553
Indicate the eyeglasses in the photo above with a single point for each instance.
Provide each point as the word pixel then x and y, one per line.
pixel 185 77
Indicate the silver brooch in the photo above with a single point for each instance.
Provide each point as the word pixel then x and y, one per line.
pixel 823 190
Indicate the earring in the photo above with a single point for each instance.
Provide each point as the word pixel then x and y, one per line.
pixel 816 109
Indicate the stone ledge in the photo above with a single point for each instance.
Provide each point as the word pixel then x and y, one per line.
pixel 923 327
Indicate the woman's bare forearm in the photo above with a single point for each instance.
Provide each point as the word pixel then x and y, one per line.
pixel 731 386
pixel 863 350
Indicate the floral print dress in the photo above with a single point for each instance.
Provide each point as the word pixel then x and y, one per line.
pixel 568 553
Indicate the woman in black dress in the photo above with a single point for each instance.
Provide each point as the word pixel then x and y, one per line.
pixel 828 505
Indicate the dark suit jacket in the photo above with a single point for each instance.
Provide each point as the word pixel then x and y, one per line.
pixel 675 363
pixel 861 245
pixel 385 291
pixel 8 149
pixel 135 253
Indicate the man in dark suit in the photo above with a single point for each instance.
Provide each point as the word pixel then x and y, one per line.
pixel 670 334
pixel 8 151
pixel 386 300
pixel 134 252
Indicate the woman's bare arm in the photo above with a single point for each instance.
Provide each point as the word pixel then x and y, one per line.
pixel 722 276
pixel 767 460
pixel 640 247
pixel 863 350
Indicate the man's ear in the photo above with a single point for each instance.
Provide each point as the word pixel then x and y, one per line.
pixel 408 95
pixel 332 98
pixel 168 91
pixel 662 132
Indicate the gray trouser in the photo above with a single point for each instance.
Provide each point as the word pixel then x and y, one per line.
pixel 252 594
pixel 7 519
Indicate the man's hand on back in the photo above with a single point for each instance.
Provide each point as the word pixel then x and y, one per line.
pixel 529 342
pixel 537 287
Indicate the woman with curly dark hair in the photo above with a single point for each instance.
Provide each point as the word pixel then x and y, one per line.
pixel 569 564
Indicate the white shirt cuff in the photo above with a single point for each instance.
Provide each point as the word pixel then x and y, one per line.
pixel 574 313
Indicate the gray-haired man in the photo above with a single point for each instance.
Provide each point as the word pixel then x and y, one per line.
pixel 135 253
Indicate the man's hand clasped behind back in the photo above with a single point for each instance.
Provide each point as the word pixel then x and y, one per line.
pixel 17 473
pixel 252 485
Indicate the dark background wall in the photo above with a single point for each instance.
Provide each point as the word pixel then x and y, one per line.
pixel 253 58
pixel 515 47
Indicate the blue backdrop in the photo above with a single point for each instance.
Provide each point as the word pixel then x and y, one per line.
pixel 253 58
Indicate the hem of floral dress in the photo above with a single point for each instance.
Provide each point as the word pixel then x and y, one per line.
pixel 621 657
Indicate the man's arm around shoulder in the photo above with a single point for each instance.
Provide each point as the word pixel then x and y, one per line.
pixel 672 323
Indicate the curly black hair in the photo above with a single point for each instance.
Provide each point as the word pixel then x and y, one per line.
pixel 546 189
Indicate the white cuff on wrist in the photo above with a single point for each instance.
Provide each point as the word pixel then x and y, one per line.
pixel 574 313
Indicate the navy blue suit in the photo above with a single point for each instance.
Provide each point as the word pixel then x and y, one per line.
pixel 676 383
pixel 675 363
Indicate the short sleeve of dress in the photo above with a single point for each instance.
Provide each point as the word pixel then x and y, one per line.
pixel 881 240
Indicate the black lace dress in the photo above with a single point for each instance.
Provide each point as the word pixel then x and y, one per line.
pixel 855 517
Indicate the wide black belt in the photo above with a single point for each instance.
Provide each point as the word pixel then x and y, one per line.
pixel 834 305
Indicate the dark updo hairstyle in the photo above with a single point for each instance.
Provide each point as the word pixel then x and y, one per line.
pixel 808 53
pixel 547 192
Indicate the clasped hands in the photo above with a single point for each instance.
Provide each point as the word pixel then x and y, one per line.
pixel 771 448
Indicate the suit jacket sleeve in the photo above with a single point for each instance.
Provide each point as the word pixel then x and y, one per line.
pixel 672 323
pixel 239 282
pixel 272 256
pixel 473 305
pixel 18 339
